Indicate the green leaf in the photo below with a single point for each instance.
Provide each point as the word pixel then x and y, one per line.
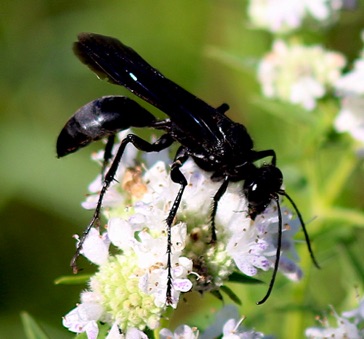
pixel 103 329
pixel 72 279
pixel 356 262
pixel 243 279
pixel 230 293
pixel 31 328
pixel 217 294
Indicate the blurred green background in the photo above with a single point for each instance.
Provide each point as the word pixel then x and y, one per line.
pixel 208 48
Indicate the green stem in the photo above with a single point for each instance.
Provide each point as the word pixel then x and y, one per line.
pixel 347 215
pixel 337 180
pixel 354 260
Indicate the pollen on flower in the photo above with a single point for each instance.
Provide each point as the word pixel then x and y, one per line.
pixel 117 284
pixel 133 183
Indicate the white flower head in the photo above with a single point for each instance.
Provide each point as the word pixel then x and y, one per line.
pixel 299 74
pixel 134 270
pixel 282 16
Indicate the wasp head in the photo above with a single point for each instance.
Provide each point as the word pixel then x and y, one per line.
pixel 261 186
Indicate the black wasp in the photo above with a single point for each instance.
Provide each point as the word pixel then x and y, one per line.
pixel 216 143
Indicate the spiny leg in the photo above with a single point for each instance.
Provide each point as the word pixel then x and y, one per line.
pixel 163 142
pixel 215 201
pixel 178 178
pixel 278 253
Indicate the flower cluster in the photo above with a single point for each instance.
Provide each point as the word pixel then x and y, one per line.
pixel 299 74
pixel 129 289
pixel 349 325
pixel 285 15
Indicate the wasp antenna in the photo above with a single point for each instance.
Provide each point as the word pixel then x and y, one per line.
pixel 307 238
pixel 278 254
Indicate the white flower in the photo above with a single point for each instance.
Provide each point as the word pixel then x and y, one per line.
pixel 299 74
pixel 345 328
pixel 350 88
pixel 352 83
pixel 286 15
pixel 227 323
pixel 232 330
pixel 357 314
pixel 181 332
pixel 131 333
pixel 255 246
pixel 351 117
pixel 96 247
pixel 84 318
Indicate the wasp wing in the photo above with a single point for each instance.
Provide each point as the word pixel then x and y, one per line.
pixel 119 64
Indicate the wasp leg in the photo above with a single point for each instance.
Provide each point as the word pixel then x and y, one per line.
pixel 163 142
pixel 178 178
